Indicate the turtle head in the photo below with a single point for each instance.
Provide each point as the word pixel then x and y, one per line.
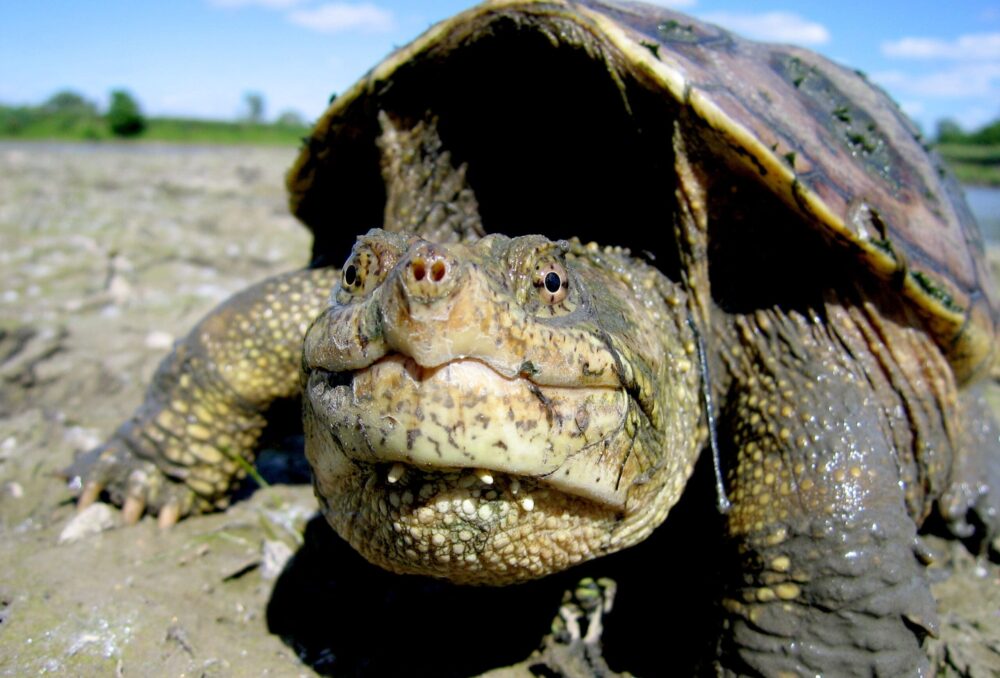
pixel 500 410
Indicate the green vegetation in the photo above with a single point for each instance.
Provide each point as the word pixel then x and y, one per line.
pixel 67 116
pixel 950 132
pixel 124 117
pixel 974 156
pixel 182 130
pixel 979 165
pixel 64 115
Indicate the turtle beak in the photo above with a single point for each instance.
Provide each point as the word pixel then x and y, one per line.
pixel 427 308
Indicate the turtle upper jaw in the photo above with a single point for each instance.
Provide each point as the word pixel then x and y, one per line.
pixel 463 414
pixel 448 370
pixel 436 306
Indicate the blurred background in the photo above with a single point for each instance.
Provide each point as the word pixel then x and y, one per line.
pixel 260 71
pixel 280 60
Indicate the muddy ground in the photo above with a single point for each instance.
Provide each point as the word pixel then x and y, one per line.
pixel 108 254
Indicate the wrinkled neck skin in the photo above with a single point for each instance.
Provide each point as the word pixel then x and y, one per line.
pixel 426 192
pixel 496 411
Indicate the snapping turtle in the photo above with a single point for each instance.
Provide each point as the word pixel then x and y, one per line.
pixel 811 304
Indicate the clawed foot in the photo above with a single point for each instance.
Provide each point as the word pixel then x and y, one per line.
pixel 573 648
pixel 582 611
pixel 136 485
pixel 970 504
pixel 972 510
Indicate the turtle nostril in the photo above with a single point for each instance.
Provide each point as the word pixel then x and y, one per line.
pixel 419 269
pixel 438 271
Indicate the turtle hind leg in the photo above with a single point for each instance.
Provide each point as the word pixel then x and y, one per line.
pixel 194 436
pixel 829 578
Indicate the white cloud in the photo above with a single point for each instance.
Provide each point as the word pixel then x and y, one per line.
pixel 772 27
pixel 269 4
pixel 967 80
pixel 675 4
pixel 341 16
pixel 969 47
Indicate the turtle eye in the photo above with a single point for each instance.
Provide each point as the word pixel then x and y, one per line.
pixel 373 257
pixel 350 275
pixel 552 282
pixel 357 271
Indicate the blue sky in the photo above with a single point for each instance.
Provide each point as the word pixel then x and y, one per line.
pixel 199 57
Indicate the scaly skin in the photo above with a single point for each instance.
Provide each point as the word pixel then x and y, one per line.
pixel 464 420
pixel 843 427
pixel 826 501
pixel 180 452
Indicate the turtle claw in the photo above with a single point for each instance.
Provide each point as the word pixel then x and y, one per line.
pixel 90 493
pixel 133 509
pixel 169 515
pixel 131 482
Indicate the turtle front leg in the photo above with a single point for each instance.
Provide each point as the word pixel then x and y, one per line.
pixel 195 435
pixel 825 428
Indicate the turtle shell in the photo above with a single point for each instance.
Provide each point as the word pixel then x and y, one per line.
pixel 833 147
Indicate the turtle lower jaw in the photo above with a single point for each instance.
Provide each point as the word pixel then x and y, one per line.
pixel 408 469
pixel 464 525
pixel 465 415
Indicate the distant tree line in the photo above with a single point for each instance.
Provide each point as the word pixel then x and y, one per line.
pixel 950 132
pixel 68 114
pixel 974 156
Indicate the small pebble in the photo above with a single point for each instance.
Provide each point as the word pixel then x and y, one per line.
pixel 81 439
pixel 274 558
pixel 119 289
pixel 159 340
pixel 7 447
pixel 93 519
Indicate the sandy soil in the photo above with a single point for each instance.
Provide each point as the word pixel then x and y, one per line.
pixel 109 254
